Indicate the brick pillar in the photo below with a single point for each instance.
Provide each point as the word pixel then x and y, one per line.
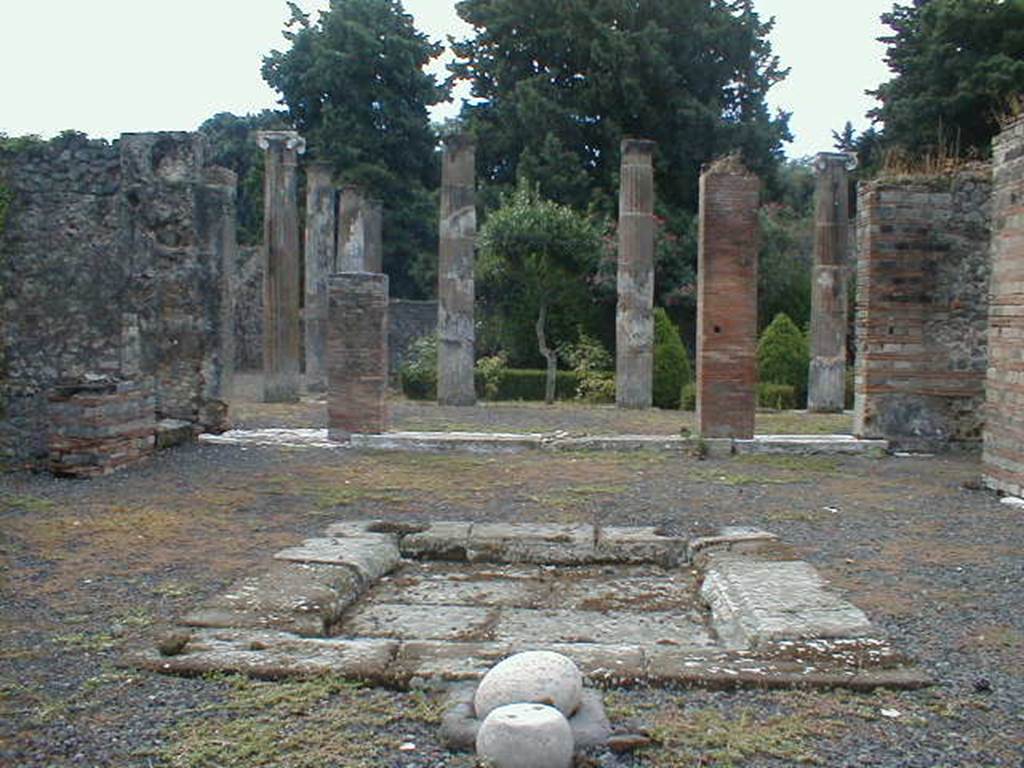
pixel 455 288
pixel 1003 453
pixel 281 331
pixel 826 383
pixel 373 233
pixel 351 250
pixel 634 318
pixel 727 301
pixel 319 256
pixel 357 354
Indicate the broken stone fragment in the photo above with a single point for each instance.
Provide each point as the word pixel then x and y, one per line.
pixel 541 677
pixel 525 736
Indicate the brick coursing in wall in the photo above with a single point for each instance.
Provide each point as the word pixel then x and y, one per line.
pixel 922 309
pixel 114 263
pixel 1003 453
pixel 98 428
pixel 727 302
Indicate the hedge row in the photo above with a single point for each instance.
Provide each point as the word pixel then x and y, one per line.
pixel 515 384
pixel 782 397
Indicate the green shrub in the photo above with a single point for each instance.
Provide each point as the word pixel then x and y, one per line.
pixel 781 397
pixel 783 357
pixel 671 363
pixel 528 384
pixel 418 372
pixel 688 398
pixel 592 366
pixel 489 373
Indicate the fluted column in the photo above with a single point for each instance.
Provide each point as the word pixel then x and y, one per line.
pixel 634 318
pixel 281 265
pixel 456 289
pixel 319 260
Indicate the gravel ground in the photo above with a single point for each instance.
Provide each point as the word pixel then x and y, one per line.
pixel 90 570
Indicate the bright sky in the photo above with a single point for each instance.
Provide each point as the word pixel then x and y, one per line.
pixel 111 66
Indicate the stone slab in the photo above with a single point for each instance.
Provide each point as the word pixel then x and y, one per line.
pixel 443 540
pixel 469 442
pixel 613 627
pixel 302 598
pixel 446 661
pixel 277 655
pixel 371 557
pixel 809 444
pixel 446 588
pixel 757 601
pixel 663 590
pixel 533 543
pixel 640 544
pixel 420 622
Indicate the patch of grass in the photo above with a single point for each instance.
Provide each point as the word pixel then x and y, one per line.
pixel 789 462
pixel 710 737
pixel 84 641
pixel 298 724
pixel 33 505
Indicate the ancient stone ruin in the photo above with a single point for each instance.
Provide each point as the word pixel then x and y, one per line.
pixel 117 269
pixel 727 301
pixel 634 319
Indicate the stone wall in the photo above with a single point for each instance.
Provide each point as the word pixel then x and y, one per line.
pixel 114 263
pixel 922 309
pixel 248 316
pixel 407 321
pixel 1003 454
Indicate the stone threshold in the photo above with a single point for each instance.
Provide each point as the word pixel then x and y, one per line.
pixel 408 605
pixel 498 442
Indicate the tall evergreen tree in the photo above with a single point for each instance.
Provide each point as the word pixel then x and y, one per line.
pixel 955 63
pixel 558 83
pixel 355 86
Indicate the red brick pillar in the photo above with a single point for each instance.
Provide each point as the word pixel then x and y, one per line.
pixel 357 354
pixel 727 301
pixel 1003 454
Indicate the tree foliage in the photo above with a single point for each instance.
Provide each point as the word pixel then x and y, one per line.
pixel 232 144
pixel 558 83
pixel 533 253
pixel 354 84
pixel 955 64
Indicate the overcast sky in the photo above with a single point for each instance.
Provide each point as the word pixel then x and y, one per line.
pixel 111 66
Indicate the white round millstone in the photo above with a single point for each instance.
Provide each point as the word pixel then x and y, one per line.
pixel 525 736
pixel 531 677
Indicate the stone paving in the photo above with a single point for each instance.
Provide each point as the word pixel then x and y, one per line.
pixel 405 605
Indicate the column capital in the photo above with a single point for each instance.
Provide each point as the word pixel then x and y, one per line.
pixel 290 139
pixel 823 159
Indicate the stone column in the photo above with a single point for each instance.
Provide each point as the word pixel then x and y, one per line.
pixel 351 251
pixel 357 354
pixel 373 235
pixel 455 289
pixel 827 374
pixel 217 231
pixel 727 301
pixel 634 317
pixel 281 266
pixel 319 256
